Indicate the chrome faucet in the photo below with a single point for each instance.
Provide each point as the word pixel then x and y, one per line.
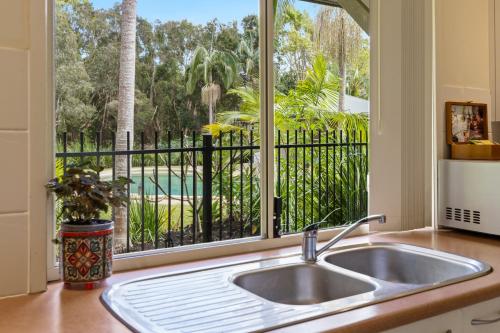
pixel 310 237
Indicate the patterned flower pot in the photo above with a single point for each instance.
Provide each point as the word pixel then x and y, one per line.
pixel 86 253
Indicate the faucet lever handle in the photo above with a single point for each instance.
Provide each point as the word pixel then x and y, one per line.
pixel 312 227
pixel 315 226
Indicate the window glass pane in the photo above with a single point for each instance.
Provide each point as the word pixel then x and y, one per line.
pixel 321 92
pixel 167 94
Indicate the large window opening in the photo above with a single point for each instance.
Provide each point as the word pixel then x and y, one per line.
pixel 168 93
pixel 321 110
pixel 145 90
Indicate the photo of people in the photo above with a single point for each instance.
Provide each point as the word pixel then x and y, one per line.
pixel 467 123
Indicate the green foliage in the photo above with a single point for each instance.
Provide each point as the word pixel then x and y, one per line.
pixel 73 86
pixel 312 105
pixel 175 59
pixel 294 47
pixel 327 179
pixel 249 108
pixel 83 195
pixel 87 69
pixel 151 229
pixel 205 63
pixel 176 62
pixel 358 74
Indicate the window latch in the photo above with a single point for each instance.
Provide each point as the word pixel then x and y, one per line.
pixel 277 207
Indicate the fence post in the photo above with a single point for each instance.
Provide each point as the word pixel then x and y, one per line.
pixel 207 187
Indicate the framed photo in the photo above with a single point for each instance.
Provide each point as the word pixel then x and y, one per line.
pixel 465 122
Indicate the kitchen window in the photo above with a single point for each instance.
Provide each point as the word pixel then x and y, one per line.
pixel 248 119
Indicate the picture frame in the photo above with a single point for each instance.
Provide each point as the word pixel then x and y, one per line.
pixel 466 121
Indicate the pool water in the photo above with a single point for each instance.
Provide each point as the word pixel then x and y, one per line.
pixel 149 185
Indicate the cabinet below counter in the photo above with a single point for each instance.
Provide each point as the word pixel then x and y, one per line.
pixel 483 317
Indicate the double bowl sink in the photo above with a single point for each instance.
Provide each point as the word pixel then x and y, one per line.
pixel 379 271
pixel 264 294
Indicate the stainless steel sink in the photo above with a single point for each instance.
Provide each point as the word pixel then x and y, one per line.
pixel 265 294
pixel 302 284
pixel 403 264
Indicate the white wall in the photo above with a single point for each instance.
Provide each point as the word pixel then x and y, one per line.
pixel 400 120
pixel 24 139
pixel 464 70
pixel 385 117
pixel 463 52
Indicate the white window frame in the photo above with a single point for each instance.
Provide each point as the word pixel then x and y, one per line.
pixel 186 253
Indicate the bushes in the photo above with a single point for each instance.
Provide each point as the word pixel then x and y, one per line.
pixel 150 227
pixel 332 179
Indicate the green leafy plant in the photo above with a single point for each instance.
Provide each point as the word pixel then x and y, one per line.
pixel 151 227
pixel 83 195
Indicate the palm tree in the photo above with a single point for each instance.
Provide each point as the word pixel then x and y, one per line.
pixel 279 8
pixel 248 56
pixel 249 109
pixel 312 104
pixel 337 33
pixel 203 66
pixel 125 121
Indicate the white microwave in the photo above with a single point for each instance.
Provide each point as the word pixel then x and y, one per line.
pixel 469 195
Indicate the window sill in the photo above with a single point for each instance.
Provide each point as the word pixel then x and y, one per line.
pixel 188 253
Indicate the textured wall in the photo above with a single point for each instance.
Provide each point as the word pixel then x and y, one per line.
pixel 23 146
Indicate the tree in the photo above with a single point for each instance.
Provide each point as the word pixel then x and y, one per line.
pixel 249 58
pixel 73 86
pixel 125 121
pixel 205 66
pixel 312 105
pixel 248 53
pixel 337 34
pixel 293 43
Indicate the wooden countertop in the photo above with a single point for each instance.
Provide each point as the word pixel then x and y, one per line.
pixel 60 310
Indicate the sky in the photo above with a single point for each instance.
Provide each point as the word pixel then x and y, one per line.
pixel 199 11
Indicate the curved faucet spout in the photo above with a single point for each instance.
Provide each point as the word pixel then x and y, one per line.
pixel 310 237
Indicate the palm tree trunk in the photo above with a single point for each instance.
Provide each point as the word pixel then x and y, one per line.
pixel 125 121
pixel 342 61
pixel 210 114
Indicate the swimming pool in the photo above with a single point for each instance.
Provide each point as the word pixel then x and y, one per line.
pixel 149 185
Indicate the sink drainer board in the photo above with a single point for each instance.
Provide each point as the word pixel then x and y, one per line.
pixel 214 299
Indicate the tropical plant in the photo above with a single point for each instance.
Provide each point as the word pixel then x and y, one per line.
pixel 312 105
pixel 248 57
pixel 249 108
pixel 330 182
pixel 218 62
pixel 339 36
pixel 154 229
pixel 205 65
pixel 279 8
pixel 83 195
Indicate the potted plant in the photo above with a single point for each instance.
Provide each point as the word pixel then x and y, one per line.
pixel 86 241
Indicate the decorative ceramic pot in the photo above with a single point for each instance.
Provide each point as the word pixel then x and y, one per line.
pixel 86 253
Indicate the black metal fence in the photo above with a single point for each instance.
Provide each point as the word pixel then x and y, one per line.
pixel 321 176
pixel 201 188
